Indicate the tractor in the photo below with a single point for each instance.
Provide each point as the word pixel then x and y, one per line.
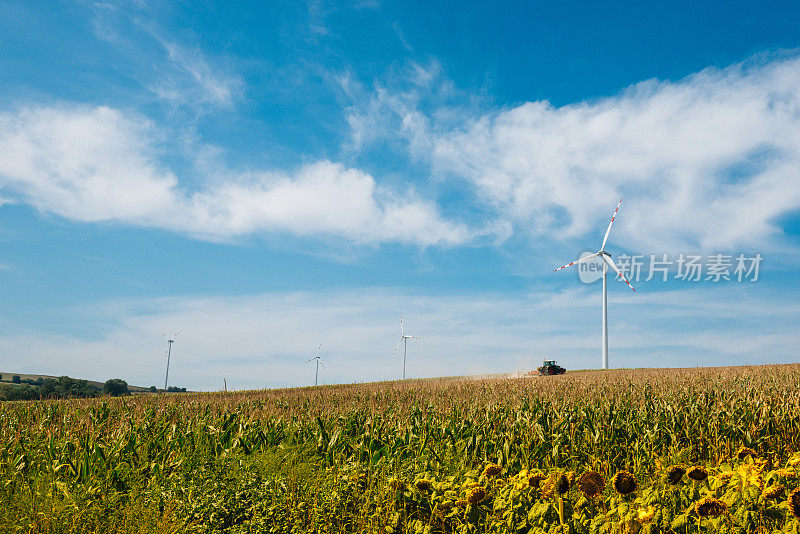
pixel 550 367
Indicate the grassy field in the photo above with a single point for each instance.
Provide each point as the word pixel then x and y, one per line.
pixel 699 450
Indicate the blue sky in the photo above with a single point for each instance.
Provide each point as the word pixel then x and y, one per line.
pixel 269 176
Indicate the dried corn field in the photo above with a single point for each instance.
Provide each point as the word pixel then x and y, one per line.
pixel 699 450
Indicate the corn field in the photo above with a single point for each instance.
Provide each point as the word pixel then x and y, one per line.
pixel 684 451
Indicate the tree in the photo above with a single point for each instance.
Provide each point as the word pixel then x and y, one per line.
pixel 116 387
pixel 16 379
pixel 153 389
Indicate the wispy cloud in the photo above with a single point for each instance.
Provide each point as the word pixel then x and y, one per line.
pixel 409 104
pixel 100 164
pixel 210 83
pixel 180 73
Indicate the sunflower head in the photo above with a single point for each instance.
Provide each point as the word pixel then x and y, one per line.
pixel 444 507
pixel 492 470
pixel 697 473
pixel 773 492
pixel 624 482
pixel 794 503
pixel 423 485
pixel 591 483
pixel 675 474
pixel 744 452
pixel 710 507
pixel 476 495
pixel 535 480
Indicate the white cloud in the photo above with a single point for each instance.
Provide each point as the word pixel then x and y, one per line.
pixel 99 164
pixel 709 161
pixel 265 340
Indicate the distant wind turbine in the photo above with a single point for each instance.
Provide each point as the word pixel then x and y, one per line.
pixel 404 340
pixel 319 362
pixel 607 261
pixel 168 353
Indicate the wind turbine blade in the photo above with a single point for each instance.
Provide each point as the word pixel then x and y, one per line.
pixel 605 238
pixel 413 337
pixel 402 329
pixel 585 258
pixel 398 345
pixel 176 334
pixel 613 266
pixel 321 364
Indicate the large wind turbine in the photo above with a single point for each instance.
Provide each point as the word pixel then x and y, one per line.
pixel 607 261
pixel 404 340
pixel 316 375
pixel 170 341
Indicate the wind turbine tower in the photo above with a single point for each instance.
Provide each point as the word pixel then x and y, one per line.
pixel 168 353
pixel 607 262
pixel 404 340
pixel 319 362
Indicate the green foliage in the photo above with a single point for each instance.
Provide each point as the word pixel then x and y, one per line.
pixel 116 387
pixel 49 388
pixel 16 379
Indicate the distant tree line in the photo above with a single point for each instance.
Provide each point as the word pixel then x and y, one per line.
pixel 59 388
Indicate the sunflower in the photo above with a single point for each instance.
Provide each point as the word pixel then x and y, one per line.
pixel 773 492
pixel 396 485
pixel 476 495
pixel 535 480
pixel 710 507
pixel 591 483
pixel 548 485
pixel 444 507
pixel 624 482
pixel 697 473
pixel 794 503
pixel 423 485
pixel 744 452
pixel 492 470
pixel 675 474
